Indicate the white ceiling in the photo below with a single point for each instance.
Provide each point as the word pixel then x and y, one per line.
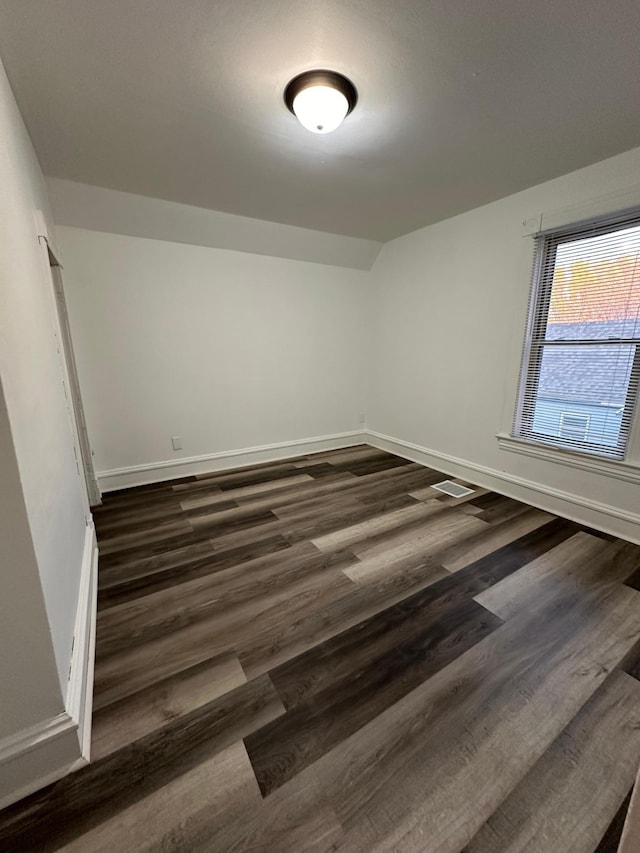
pixel 461 101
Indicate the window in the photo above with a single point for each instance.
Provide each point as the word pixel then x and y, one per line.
pixel 581 360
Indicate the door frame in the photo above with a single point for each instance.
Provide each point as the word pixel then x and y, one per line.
pixel 81 434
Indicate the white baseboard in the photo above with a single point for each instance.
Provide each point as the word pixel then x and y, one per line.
pixel 47 751
pixel 172 469
pixel 601 516
pixel 596 514
pixel 37 756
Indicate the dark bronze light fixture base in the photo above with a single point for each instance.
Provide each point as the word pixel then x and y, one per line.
pixel 321 78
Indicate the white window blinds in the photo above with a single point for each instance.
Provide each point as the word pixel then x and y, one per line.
pixel 581 360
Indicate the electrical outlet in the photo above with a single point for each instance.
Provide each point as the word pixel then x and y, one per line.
pixel 362 417
pixel 176 441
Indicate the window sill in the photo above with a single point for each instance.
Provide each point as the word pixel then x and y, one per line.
pixel 618 469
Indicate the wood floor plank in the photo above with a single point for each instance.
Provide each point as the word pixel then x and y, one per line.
pixel 243 492
pixel 128 555
pixel 141 498
pixel 378 555
pixel 148 710
pixel 284 640
pixel 583 561
pixel 486 571
pixel 402 483
pixel 345 454
pixel 362 467
pixel 304 522
pixel 630 837
pixel 307 526
pixel 159 533
pixel 610 841
pixel 631 662
pixel 122 520
pixel 486 541
pixel 185 814
pixel 238 478
pixel 295 512
pixel 470 509
pixel 178 570
pixel 449 500
pixel 505 509
pixel 134 669
pixel 141 567
pixel 291 824
pixel 324 471
pixel 349 654
pixel 238 595
pixel 494 502
pixel 568 799
pixel 634 579
pixel 355 533
pixel 238 518
pixel 284 492
pixel 238 469
pixel 303 491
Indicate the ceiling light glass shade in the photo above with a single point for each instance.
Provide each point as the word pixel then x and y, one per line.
pixel 320 100
pixel 320 109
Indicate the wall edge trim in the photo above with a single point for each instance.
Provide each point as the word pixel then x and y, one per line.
pixel 79 700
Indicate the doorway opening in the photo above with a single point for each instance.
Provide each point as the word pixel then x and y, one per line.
pixel 82 445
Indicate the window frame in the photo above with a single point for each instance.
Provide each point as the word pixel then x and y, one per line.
pixel 522 433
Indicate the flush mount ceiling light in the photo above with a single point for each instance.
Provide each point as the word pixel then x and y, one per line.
pixel 320 100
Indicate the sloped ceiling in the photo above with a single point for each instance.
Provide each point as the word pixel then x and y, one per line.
pixel 460 102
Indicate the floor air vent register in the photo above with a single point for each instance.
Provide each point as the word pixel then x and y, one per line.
pixel 453 489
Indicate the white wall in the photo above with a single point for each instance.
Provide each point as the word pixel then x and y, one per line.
pixel 30 691
pixel 229 350
pixel 448 316
pixel 31 375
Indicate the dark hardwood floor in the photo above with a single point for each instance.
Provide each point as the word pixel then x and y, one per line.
pixel 326 654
